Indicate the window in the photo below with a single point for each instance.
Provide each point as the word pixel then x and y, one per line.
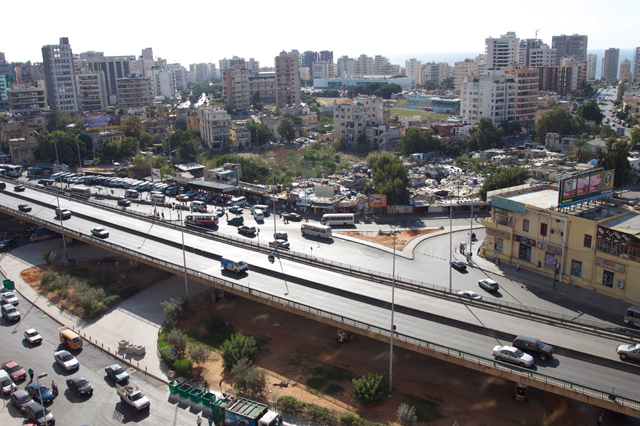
pixel 524 252
pixel 587 240
pixel 525 225
pixel 607 278
pixel 576 268
pixel 543 229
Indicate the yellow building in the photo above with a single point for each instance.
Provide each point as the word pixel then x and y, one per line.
pixel 595 244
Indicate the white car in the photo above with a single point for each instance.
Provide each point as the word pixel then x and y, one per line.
pixel 488 284
pixel 512 355
pixel 33 336
pixel 10 298
pixel 470 295
pixel 6 384
pixel 66 360
pixel 100 232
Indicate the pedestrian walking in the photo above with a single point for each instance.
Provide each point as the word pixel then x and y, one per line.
pixel 479 250
pixel 495 257
pixel 199 421
pixel 162 215
pixel 30 375
pixel 518 267
pixel 600 418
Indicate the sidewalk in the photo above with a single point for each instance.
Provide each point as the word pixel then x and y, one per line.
pixel 137 319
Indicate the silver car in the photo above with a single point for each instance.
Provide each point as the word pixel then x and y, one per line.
pixel 628 351
pixel 66 360
pixel 512 355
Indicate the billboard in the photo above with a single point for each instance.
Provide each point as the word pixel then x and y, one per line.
pixel 584 187
pixel 377 200
pixel 101 121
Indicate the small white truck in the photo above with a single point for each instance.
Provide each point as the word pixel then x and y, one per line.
pixel 130 394
pixel 237 266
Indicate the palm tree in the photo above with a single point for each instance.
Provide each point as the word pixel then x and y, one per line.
pixel 580 151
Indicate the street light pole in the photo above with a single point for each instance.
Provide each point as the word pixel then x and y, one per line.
pixel 450 237
pixel 471 232
pixel 44 412
pixel 393 290
pixel 184 254
pixel 64 239
pixel 273 177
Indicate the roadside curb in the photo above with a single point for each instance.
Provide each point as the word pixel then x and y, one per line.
pixel 91 342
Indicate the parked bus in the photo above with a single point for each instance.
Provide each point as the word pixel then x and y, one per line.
pixel 80 190
pixel 338 219
pixel 202 219
pixel 13 171
pixel 322 231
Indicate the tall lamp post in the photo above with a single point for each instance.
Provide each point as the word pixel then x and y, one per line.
pixel 393 291
pixel 273 177
pixel 184 254
pixel 44 410
pixel 64 239
pixel 450 237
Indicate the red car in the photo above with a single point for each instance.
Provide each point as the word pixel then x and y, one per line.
pixel 16 372
pixel 124 202
pixel 18 188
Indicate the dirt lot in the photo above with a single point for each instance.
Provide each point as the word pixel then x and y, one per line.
pixel 332 101
pixel 402 238
pixel 305 353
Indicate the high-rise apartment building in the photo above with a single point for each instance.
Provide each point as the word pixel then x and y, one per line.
pixel 235 89
pixel 413 68
pixel 147 54
pixel 28 73
pixel 528 82
pixel 503 51
pixel 345 66
pixel 380 65
pixel 325 56
pixel 214 127
pixel 324 70
pixel 570 46
pixel 135 92
pixel 363 65
pixel 287 79
pixel 253 66
pixel 7 78
pixel 351 120
pixel 534 53
pixel 636 64
pixel 610 64
pixel 202 71
pixel 60 81
pixel 92 91
pixel 27 98
pixel 564 78
pixel 308 58
pixel 465 70
pixel 113 67
pixel 265 84
pixel 625 71
pixel 592 61
pixel 492 94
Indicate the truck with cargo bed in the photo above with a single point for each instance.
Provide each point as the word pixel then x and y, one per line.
pixel 130 394
pixel 237 411
pixel 237 266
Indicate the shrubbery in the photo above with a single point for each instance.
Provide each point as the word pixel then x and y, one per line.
pixel 238 347
pixel 368 389
pixel 182 367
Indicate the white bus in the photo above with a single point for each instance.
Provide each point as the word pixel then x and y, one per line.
pixel 11 170
pixel 80 190
pixel 338 219
pixel 201 219
pixel 263 207
pixel 322 231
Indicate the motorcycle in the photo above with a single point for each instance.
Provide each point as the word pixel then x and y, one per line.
pixel 272 258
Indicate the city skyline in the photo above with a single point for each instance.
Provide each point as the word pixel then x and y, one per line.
pixel 263 40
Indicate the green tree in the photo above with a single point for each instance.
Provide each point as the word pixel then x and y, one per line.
pixel 66 143
pixel 447 83
pixel 606 132
pixel 390 178
pixel 616 156
pixel 59 120
pixel 406 415
pixel 503 178
pixel 622 88
pixel 485 135
pixel 368 390
pixel 180 124
pixel 635 136
pixel 558 120
pixel 260 134
pixel 238 347
pixel 580 151
pixel 430 85
pixel 511 127
pixel 590 111
pixel 128 147
pixel 177 339
pixel 134 127
pixel 418 141
pixel 288 127
pixel 256 101
pixel 145 140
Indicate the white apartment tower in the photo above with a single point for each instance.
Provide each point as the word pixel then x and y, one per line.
pixel 610 64
pixel 503 51
pixel 534 53
pixel 287 79
pixel 363 65
pixel 92 91
pixel 592 60
pixel 60 81
pixel 413 68
pixel 492 94
pixel 214 127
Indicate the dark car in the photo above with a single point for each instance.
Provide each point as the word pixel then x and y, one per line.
pixel 117 373
pixel 18 188
pixel 80 386
pixel 37 414
pixel 10 243
pixel 3 185
pixel 124 202
pixel 20 399
pixel 533 346
pixel 459 265
pixel 292 216
pixel 24 207
pixel 37 390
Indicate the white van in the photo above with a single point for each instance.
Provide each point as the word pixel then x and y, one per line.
pixel 158 198
pixel 258 215
pixel 238 201
pixel 632 316
pixel 131 193
pixel 198 206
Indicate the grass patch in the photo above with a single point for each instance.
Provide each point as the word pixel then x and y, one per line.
pixel 427 409
pixel 332 373
pixel 76 271
pixel 333 389
pixel 213 340
pixel 316 383
pixel 413 112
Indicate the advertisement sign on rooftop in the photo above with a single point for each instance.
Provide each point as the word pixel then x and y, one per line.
pixel 587 186
pixel 101 121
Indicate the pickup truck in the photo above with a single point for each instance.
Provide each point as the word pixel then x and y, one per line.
pixel 247 230
pixel 237 266
pixel 131 395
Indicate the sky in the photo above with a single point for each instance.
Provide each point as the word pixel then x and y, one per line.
pixel 207 31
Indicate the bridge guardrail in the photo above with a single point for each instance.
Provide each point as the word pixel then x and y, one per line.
pixel 456 353
pixel 409 284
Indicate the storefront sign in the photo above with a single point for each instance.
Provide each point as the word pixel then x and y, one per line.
pixel 499 234
pixel 608 264
pixel 524 240
pixel 506 204
pixel 548 248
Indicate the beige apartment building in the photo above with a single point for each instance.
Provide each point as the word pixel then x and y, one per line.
pixel 465 70
pixel 135 92
pixel 363 65
pixel 92 91
pixel 240 137
pixel 27 98
pixel 528 80
pixel 265 84
pixel 214 127
pixel 235 88
pixel 351 120
pixel 493 94
pixel 287 79
pixel 625 70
